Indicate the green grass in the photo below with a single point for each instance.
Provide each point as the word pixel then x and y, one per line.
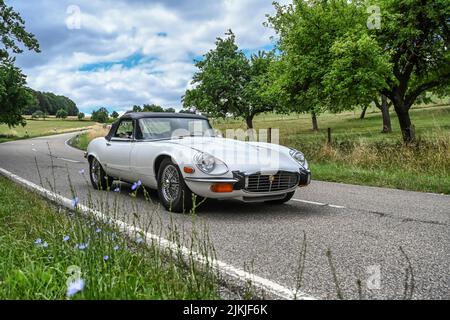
pixel 361 154
pixel 133 271
pixel 36 128
pixel 80 141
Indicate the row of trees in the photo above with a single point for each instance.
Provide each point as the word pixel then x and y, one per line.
pixel 151 108
pixel 332 55
pixel 50 103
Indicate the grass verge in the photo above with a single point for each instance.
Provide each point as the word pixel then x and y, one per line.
pixel 37 128
pixel 44 252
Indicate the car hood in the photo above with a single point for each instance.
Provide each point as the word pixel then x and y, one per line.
pixel 240 155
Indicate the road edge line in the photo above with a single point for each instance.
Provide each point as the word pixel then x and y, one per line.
pixel 238 277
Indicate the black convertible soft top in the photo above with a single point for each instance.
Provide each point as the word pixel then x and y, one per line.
pixel 140 115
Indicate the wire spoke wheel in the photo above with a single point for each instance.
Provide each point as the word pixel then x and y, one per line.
pixel 170 183
pixel 95 171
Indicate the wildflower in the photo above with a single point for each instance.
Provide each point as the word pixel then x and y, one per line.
pixel 139 240
pixel 75 202
pixel 38 241
pixel 136 185
pixel 66 238
pixel 82 246
pixel 98 230
pixel 81 171
pixel 116 248
pixel 105 258
pixel 45 245
pixel 74 287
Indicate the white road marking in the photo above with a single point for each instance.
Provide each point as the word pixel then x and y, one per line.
pixel 69 160
pixel 134 232
pixel 336 206
pixel 319 203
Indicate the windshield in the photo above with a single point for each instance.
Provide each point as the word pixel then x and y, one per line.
pixel 169 128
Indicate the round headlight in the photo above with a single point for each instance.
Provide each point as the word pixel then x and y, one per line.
pixel 299 157
pixel 209 164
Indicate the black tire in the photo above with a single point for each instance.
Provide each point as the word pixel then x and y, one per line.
pixel 173 199
pixel 99 179
pixel 281 201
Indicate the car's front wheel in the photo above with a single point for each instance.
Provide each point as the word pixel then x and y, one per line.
pixel 173 192
pixel 99 179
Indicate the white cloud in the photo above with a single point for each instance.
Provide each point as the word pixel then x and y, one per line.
pixel 112 31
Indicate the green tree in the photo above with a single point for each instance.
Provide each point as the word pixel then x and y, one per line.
pixel 152 108
pixel 227 83
pixel 100 115
pixel 307 31
pixel 61 114
pixel 171 110
pixel 37 114
pixel 81 116
pixel 330 43
pixel 14 97
pixel 114 115
pixel 137 108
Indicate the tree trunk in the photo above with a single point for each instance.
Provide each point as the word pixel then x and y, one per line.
pixel 363 112
pixel 408 131
pixel 249 121
pixel 384 107
pixel 315 126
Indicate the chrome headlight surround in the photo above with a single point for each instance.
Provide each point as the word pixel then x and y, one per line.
pixel 209 164
pixel 299 157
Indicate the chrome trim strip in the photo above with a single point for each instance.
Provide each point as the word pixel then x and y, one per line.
pixel 211 180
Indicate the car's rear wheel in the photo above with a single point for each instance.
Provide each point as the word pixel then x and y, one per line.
pixel 99 179
pixel 283 200
pixel 173 192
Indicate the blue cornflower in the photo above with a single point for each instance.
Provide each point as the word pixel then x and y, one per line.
pixel 98 230
pixel 116 248
pixel 66 238
pixel 74 287
pixel 105 258
pixel 38 241
pixel 136 185
pixel 75 202
pixel 82 246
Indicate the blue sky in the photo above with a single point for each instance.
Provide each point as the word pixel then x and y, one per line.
pixel 120 53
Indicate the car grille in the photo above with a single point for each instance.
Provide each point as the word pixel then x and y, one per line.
pixel 282 180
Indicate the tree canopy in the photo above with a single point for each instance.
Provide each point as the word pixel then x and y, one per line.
pixel 331 59
pixel 51 103
pixel 14 96
pixel 228 83
pixel 101 115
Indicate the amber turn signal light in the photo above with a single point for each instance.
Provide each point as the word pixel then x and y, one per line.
pixel 222 187
pixel 188 169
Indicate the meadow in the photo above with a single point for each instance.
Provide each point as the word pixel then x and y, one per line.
pixel 36 128
pixel 360 153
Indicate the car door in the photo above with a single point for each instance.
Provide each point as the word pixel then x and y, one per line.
pixel 118 151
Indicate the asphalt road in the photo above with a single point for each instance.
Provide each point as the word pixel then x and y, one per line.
pixel 363 227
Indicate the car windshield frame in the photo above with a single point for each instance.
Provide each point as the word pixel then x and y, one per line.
pixel 179 128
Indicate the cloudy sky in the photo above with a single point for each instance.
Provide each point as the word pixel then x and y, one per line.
pixel 120 53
